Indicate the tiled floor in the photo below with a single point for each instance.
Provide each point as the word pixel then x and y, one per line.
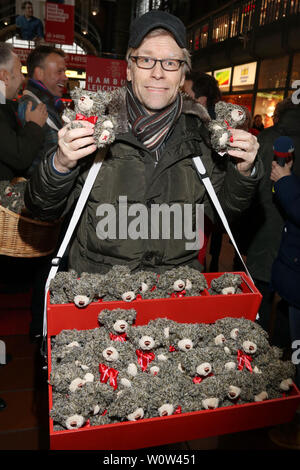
pixel 23 385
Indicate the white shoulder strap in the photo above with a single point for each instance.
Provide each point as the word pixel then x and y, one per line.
pixel 49 121
pixel 87 187
pixel 214 198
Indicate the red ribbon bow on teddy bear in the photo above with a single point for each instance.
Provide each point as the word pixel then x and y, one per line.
pixel 144 358
pixel 108 373
pixel 81 117
pixel 244 360
pixel 122 337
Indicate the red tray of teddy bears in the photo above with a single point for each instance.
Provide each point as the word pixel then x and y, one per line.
pixel 179 427
pixel 205 308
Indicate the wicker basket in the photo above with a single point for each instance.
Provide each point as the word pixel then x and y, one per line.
pixel 23 237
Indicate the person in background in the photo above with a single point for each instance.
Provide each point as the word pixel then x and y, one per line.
pixel 19 145
pixel 47 81
pixel 28 26
pixel 257 125
pixel 264 221
pixel 285 280
pixel 204 89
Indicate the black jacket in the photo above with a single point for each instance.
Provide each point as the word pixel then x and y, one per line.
pixel 19 145
pixel 129 170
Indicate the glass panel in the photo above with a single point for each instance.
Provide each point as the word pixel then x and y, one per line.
pixel 234 23
pixel 296 68
pixel 273 73
pixel 247 16
pixel 265 105
pixel 220 28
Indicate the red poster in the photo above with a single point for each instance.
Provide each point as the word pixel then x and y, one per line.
pixel 105 74
pixel 59 23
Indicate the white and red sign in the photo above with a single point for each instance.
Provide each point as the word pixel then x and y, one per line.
pixel 59 23
pixel 105 74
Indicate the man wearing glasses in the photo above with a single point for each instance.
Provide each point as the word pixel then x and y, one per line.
pixel 150 163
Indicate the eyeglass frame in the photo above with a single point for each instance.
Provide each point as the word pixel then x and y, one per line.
pixel 135 57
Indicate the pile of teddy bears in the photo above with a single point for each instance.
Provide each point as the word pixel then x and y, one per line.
pixel 121 284
pixel 122 372
pixel 12 195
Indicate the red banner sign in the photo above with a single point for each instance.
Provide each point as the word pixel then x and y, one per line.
pixel 59 23
pixel 105 74
pixel 76 61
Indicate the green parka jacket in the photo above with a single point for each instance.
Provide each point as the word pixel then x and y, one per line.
pixel 129 175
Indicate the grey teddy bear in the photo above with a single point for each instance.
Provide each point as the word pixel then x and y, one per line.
pixel 179 281
pixel 228 116
pixel 227 283
pixel 93 106
pixel 117 322
pixel 12 195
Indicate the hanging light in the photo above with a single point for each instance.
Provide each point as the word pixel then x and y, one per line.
pixel 84 17
pixel 94 7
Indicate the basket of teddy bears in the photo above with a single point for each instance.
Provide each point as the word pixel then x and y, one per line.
pixel 160 367
pixel 20 235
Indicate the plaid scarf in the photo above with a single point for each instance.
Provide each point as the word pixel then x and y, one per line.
pixel 151 129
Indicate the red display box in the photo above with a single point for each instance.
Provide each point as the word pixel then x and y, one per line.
pixel 176 428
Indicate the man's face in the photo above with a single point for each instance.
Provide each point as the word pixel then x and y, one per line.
pixel 52 74
pixel 15 79
pixel 156 88
pixel 28 12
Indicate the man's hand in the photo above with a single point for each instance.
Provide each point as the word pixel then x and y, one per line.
pixel 249 147
pixel 74 144
pixel 38 115
pixel 280 171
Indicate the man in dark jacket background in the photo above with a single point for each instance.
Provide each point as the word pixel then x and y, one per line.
pixel 19 145
pixel 150 162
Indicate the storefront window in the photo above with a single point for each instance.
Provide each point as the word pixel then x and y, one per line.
pixel 244 77
pixel 265 105
pixel 220 28
pixel 273 73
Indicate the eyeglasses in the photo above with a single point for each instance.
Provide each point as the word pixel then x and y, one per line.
pixel 170 65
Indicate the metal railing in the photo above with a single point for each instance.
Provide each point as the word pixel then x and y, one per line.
pixel 237 20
